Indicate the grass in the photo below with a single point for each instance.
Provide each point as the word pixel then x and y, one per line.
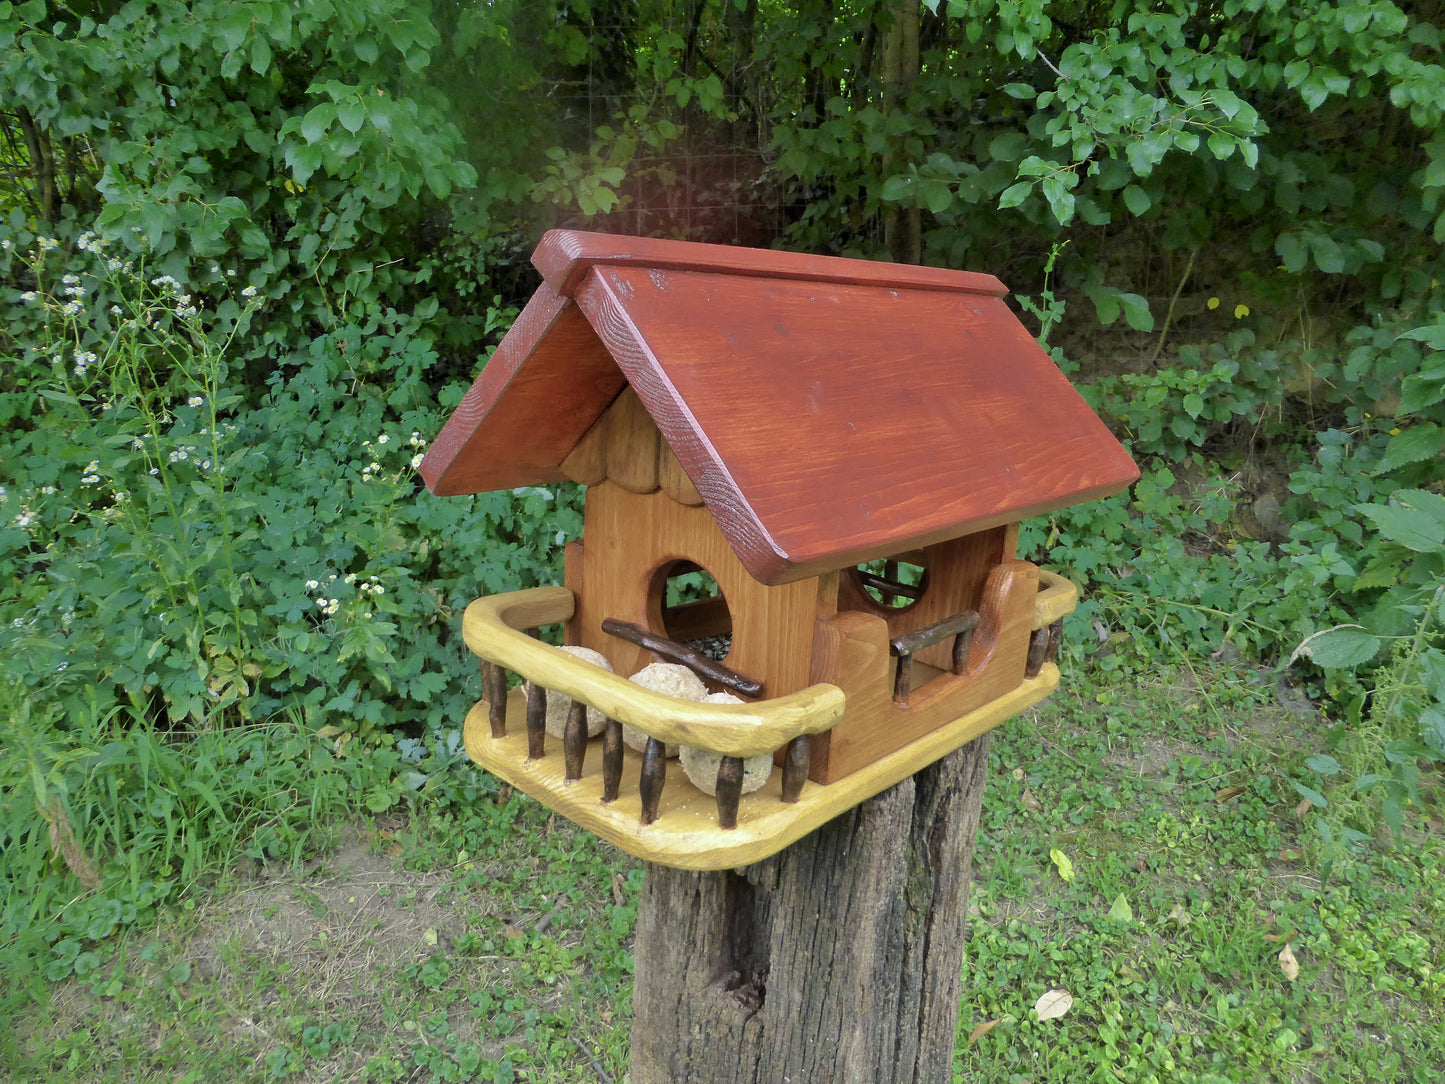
pixel 489 941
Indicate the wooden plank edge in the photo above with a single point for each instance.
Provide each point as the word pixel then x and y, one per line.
pixel 686 834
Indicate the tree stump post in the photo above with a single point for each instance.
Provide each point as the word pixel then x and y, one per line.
pixel 837 961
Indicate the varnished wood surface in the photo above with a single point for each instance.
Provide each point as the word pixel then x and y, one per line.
pixel 490 629
pixel 685 833
pixel 631 540
pixel 852 651
pixel 827 424
pixel 547 382
pixel 565 256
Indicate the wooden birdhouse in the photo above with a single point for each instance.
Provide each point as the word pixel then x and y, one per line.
pixel 804 482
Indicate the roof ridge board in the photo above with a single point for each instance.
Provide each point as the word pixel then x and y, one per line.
pixel 565 256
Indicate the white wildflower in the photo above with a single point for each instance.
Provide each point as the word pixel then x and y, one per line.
pixel 71 308
pixel 383 439
pixel 249 291
pixel 195 401
pixel 312 585
pixel 29 295
pixel 416 460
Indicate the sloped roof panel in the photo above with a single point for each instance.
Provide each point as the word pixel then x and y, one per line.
pixel 829 411
pixel 828 423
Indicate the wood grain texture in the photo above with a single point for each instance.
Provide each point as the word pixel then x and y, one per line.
pixel 490 628
pixel 631 542
pixel 632 444
pixel 811 452
pixel 852 652
pixel 565 256
pixel 686 834
pixel 673 479
pixel 586 463
pixel 842 960
pixel 547 382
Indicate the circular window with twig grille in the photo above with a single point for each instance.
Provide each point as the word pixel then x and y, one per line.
pixel 694 611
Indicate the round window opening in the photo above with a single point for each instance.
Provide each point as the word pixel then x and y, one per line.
pixel 694 611
pixel 893 584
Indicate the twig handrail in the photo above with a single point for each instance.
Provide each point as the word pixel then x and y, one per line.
pixel 491 628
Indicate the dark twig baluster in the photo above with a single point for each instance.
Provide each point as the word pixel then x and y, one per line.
pixel 1056 637
pixel 574 740
pixel 494 688
pixel 611 760
pixel 903 680
pixel 536 720
pixel 959 626
pixel 795 767
pixel 654 775
pixel 729 791
pixel 1038 648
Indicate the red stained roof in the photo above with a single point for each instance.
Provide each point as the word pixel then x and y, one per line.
pixel 829 411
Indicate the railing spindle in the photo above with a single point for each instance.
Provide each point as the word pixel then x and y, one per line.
pixel 574 740
pixel 729 791
pixel 795 768
pixel 1038 649
pixel 536 720
pixel 494 688
pixel 611 760
pixel 654 775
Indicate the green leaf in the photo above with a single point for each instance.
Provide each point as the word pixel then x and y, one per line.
pixel 1121 911
pixel 1325 765
pixel 1062 864
pixel 1015 194
pixel 1419 442
pixel 1340 647
pixel 1328 257
pixel 1432 335
pixel 260 55
pixel 1413 528
pixel 1136 199
pixel 1292 251
pixel 1136 312
pixel 1314 797
pixel 1221 145
pixel 318 119
pixel 352 114
pixel 1008 146
pixel 897 188
pixel 1022 91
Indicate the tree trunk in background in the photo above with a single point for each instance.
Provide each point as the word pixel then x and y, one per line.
pixel 902 227
pixel 837 961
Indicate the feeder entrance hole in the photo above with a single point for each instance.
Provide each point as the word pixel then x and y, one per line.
pixel 693 609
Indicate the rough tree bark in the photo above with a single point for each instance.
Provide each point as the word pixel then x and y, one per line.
pixel 837 961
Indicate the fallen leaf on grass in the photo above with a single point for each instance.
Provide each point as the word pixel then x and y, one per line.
pixel 1061 860
pixel 1227 793
pixel 1303 808
pixel 512 931
pixel 1180 914
pixel 983 1029
pixel 1054 1004
pixel 1141 864
pixel 1121 911
pixel 618 881
pixel 1288 964
pixel 1030 802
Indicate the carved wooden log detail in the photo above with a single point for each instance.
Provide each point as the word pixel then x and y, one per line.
pixel 494 688
pixel 795 768
pixel 611 760
pixel 574 740
pixel 729 791
pixel 654 775
pixel 536 720
pixel 673 651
